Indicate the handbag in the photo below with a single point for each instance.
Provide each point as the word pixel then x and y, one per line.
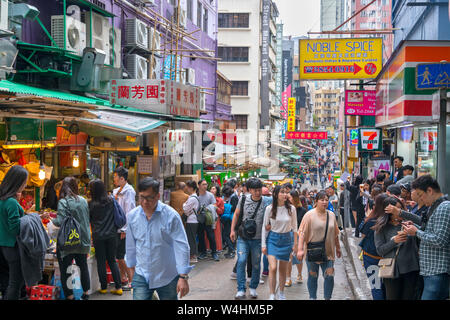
pixel 120 219
pixel 386 266
pixel 316 251
pixel 69 235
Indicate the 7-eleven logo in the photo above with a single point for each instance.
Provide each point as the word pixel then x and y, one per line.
pixel 370 139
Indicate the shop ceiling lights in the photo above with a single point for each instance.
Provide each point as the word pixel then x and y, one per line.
pixel 76 161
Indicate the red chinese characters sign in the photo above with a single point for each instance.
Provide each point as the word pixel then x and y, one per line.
pixel 321 135
pixel 161 96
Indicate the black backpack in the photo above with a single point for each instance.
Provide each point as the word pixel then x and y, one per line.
pixel 69 235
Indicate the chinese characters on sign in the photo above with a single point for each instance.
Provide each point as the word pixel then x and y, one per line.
pixel 291 115
pixel 161 96
pixel 360 102
pixel 321 135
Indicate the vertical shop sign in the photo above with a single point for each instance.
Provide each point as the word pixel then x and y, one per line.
pixel 278 82
pixel 265 65
pixel 291 115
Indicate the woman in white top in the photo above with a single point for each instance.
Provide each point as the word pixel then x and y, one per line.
pixel 279 242
pixel 190 208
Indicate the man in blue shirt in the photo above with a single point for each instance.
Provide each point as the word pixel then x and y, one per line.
pixel 157 249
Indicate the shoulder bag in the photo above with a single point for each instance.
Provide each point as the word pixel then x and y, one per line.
pixel 247 228
pixel 316 251
pixel 68 238
pixel 120 219
pixel 386 266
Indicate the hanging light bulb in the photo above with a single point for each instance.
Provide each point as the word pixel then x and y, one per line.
pixel 76 160
pixel 41 172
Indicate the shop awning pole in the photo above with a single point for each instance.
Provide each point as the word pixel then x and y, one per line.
pixel 442 134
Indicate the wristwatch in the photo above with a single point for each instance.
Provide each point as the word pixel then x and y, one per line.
pixel 184 276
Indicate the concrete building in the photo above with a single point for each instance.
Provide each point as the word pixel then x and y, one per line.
pixel 332 14
pixel 326 108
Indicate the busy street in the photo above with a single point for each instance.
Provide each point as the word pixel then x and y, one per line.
pixel 224 151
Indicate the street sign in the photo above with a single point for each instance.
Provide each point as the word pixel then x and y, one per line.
pixel 370 139
pixel 360 102
pixel 291 115
pixel 355 58
pixel 433 76
pixel 321 135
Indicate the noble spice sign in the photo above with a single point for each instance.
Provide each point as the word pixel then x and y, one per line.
pixel 161 96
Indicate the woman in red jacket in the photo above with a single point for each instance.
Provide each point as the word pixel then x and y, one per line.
pixel 215 190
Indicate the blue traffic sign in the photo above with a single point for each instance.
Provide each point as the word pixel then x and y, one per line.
pixel 433 76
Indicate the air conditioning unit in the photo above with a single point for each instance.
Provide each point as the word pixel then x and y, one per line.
pixel 137 66
pixel 116 54
pixel 190 76
pixel 157 40
pixel 75 35
pixel 100 33
pixel 202 101
pixel 183 16
pixel 136 33
pixel 4 15
pixel 156 68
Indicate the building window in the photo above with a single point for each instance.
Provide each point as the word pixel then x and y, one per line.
pixel 239 88
pixel 205 21
pixel 189 9
pixel 233 54
pixel 241 121
pixel 199 14
pixel 233 20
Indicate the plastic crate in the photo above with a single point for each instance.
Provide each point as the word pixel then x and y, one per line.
pixel 43 292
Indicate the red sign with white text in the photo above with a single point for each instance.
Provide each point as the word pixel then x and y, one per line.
pixel 321 135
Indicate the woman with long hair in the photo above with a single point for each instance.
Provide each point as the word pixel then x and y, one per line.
pixel 190 208
pixel 369 250
pixel 279 242
pixel 390 237
pixel 294 199
pixel 70 203
pixel 11 277
pixel 313 229
pixel 104 234
pixel 356 203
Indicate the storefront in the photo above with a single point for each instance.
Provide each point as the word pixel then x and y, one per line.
pixel 411 115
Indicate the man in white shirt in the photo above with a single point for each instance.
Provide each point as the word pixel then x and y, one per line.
pixel 126 197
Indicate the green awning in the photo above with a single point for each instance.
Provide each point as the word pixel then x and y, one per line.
pixel 294 156
pixel 125 123
pixel 9 86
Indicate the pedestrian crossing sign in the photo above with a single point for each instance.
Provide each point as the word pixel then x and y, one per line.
pixel 433 76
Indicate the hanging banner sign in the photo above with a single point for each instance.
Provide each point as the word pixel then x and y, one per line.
pixel 291 115
pixel 320 135
pixel 327 59
pixel 360 102
pixel 370 139
pixel 428 140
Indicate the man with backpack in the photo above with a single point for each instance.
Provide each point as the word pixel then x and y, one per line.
pixel 246 227
pixel 206 198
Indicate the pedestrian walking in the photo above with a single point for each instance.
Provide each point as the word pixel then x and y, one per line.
pixel 299 205
pixel 157 249
pixel 246 227
pixel 226 219
pixel 11 277
pixel 125 195
pixel 369 250
pixel 279 243
pixel 190 209
pixel 71 204
pixel 356 203
pixel 434 236
pixel 206 198
pixel 391 241
pixel 319 230
pixel 104 235
pixel 178 197
pixel 219 207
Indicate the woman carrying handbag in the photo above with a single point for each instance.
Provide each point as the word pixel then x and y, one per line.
pixel 319 243
pixel 399 268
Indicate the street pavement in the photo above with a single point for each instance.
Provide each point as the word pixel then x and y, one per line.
pixel 210 280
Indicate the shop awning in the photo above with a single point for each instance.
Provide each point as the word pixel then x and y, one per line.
pixel 125 123
pixel 294 156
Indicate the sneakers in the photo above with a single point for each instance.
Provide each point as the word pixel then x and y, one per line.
pixel 126 286
pixel 261 281
pixel 117 292
pixel 265 273
pixel 84 297
pixel 103 291
pixel 240 295
pixel 215 256
pixel 193 260
pixel 299 279
pixel 253 293
pixel 229 255
pixel 203 256
pixel 272 297
pixel 233 276
pixel 288 283
pixel 281 296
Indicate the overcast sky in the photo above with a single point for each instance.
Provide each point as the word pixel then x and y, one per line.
pixel 299 16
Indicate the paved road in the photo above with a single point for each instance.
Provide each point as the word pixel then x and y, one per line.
pixel 210 280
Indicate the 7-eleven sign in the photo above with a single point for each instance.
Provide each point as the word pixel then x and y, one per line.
pixel 370 139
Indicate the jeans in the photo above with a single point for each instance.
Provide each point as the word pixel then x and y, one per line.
pixel 141 291
pixel 377 287
pixel 328 283
pixel 15 278
pixel 105 250
pixel 202 228
pixel 265 264
pixel 249 265
pixel 191 233
pixel 81 262
pixel 244 247
pixel 436 287
pixel 226 230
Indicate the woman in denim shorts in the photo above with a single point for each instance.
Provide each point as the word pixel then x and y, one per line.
pixel 277 239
